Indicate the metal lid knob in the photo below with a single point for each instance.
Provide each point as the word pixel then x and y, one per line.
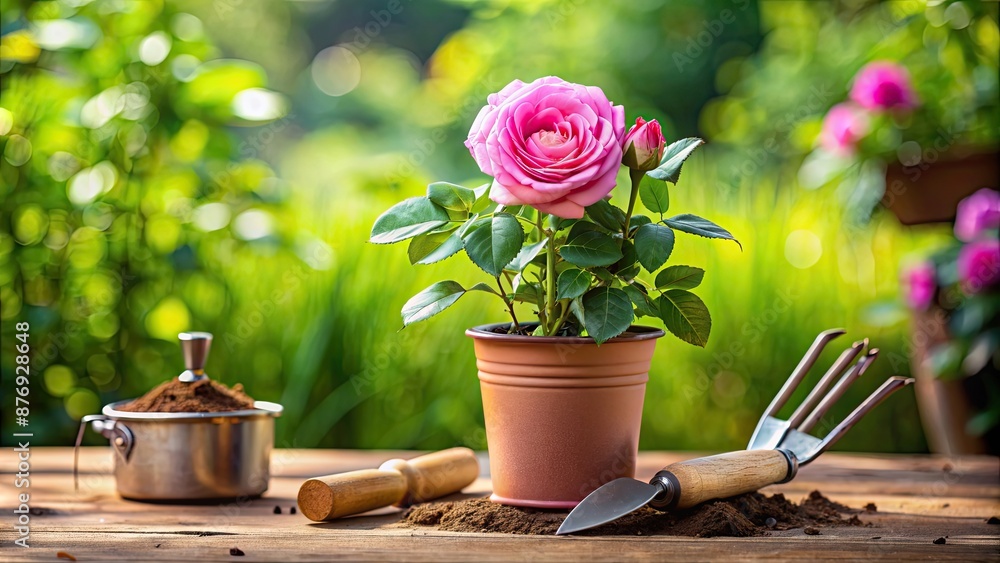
pixel 195 346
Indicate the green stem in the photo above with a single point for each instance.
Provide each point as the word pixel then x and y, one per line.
pixel 636 177
pixel 562 317
pixel 510 305
pixel 550 278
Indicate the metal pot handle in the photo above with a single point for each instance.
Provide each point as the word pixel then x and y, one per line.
pixel 120 436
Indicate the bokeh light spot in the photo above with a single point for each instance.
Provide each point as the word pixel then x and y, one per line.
pixel 167 319
pixel 336 71
pixel 81 403
pixel 154 48
pixel 803 249
pixel 59 380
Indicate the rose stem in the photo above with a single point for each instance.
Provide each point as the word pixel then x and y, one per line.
pixel 550 280
pixel 509 303
pixel 636 177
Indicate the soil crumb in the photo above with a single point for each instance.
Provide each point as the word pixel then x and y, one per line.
pixel 752 514
pixel 200 396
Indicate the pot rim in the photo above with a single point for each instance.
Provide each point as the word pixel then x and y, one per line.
pixel 261 408
pixel 633 334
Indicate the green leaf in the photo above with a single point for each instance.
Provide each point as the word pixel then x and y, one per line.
pixel 653 244
pixel 590 248
pixel 407 219
pixel 451 196
pixel 679 277
pixel 686 316
pixel 527 293
pixel 494 244
pixel 434 247
pixel 692 224
pixel 628 267
pixel 431 301
pixel 607 215
pixel 644 304
pixel 576 307
pixel 525 256
pixel 673 158
pixel 607 313
pixel 572 283
pixel 581 227
pixel 654 194
pixel 638 221
pixel 483 200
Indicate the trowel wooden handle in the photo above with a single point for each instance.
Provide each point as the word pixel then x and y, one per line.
pixel 396 481
pixel 720 476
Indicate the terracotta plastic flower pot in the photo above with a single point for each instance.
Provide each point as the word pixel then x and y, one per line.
pixel 562 413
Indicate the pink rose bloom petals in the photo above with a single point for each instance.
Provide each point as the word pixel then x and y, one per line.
pixel 843 126
pixel 550 144
pixel 883 85
pixel 977 214
pixel 919 285
pixel 979 265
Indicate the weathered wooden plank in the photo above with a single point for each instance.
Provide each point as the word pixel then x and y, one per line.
pixel 920 498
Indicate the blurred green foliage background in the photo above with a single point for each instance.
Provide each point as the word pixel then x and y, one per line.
pixel 184 165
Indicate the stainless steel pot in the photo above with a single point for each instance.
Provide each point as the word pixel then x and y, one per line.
pixel 176 456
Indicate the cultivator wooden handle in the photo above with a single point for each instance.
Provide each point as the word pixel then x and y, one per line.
pixel 396 482
pixel 720 476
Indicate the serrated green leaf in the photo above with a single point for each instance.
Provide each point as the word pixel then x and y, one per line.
pixel 686 316
pixel 638 221
pixel 493 245
pixel 525 256
pixel 483 201
pixel 407 219
pixel 692 224
pixel 654 194
pixel 645 306
pixel 433 247
pixel 673 158
pixel 451 196
pixel 572 283
pixel 653 244
pixel 679 277
pixel 581 227
pixel 628 267
pixel 591 248
pixel 431 301
pixel 607 313
pixel 606 215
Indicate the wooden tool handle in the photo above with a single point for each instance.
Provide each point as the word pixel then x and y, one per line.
pixel 396 482
pixel 436 474
pixel 720 476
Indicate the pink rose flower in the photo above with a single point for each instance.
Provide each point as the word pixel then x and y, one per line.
pixel 919 286
pixel 883 85
pixel 551 144
pixel 843 126
pixel 979 265
pixel 977 213
pixel 647 138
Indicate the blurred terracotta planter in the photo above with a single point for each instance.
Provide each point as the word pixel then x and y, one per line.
pixel 562 413
pixel 930 191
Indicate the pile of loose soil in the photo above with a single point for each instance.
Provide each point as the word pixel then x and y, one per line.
pixel 746 515
pixel 199 396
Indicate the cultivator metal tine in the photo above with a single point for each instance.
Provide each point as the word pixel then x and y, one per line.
pixel 770 431
pixel 838 391
pixel 890 386
pixel 842 363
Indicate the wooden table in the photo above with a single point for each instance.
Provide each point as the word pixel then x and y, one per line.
pixel 919 499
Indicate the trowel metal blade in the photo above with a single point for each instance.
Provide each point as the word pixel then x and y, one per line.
pixel 609 502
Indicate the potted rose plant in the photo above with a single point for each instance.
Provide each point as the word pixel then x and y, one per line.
pixel 562 392
pixel 955 297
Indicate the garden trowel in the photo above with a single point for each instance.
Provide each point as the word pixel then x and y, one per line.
pixel 776 450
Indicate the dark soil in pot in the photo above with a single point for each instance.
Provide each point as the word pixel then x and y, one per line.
pixel 752 514
pixel 205 395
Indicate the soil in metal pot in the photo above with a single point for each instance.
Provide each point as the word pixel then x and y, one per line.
pixel 752 514
pixel 199 396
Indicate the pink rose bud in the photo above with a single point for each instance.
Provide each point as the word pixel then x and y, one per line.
pixel 919 285
pixel 979 265
pixel 644 144
pixel 844 125
pixel 977 214
pixel 883 85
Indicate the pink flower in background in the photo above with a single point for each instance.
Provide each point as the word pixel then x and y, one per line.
pixel 979 265
pixel 550 144
pixel 977 213
pixel 843 126
pixel 647 138
pixel 919 285
pixel 883 85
